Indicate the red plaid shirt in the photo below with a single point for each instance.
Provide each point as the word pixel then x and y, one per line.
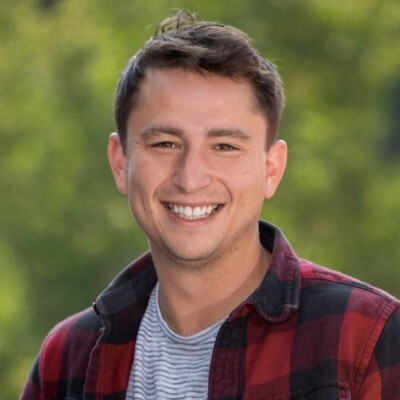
pixel 306 333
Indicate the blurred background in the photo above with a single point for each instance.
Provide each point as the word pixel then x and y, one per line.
pixel 64 229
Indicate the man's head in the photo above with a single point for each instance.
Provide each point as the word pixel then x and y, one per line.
pixel 203 47
pixel 194 110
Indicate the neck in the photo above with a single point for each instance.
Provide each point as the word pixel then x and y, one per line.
pixel 192 299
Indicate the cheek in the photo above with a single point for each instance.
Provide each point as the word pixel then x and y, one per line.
pixel 248 171
pixel 248 187
pixel 252 182
pixel 145 176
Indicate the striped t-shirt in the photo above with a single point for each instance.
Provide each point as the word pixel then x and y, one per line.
pixel 167 365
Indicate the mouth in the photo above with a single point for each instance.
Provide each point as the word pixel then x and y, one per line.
pixel 192 213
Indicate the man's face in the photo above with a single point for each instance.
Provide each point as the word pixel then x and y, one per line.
pixel 196 169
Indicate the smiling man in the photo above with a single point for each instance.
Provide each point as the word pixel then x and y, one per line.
pixel 220 307
pixel 196 147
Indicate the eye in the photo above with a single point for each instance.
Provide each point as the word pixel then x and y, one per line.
pixel 164 145
pixel 225 147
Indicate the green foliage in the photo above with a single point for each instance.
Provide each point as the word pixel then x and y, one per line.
pixel 64 230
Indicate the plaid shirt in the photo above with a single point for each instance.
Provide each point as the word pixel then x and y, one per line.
pixel 306 333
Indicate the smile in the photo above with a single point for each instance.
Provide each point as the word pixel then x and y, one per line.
pixel 191 213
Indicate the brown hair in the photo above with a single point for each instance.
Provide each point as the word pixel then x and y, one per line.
pixel 182 41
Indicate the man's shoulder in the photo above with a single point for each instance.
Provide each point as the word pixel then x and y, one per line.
pixel 75 333
pixel 317 274
pixel 334 292
pixel 83 321
pixel 62 362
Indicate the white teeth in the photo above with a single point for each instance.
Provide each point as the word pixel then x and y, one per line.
pixel 197 212
pixel 191 213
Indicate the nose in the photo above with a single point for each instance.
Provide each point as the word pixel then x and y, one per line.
pixel 192 171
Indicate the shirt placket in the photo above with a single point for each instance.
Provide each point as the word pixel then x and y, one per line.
pixel 227 368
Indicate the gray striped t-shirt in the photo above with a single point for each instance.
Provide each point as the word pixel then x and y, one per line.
pixel 167 365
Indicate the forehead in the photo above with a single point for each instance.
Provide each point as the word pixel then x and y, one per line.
pixel 175 85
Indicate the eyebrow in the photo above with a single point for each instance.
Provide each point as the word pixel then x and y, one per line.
pixel 234 133
pixel 160 129
pixel 213 133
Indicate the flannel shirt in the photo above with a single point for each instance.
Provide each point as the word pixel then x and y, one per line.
pixel 306 333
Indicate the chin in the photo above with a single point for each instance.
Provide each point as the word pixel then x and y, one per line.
pixel 192 259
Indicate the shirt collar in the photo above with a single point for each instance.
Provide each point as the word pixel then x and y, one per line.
pixel 131 288
pixel 277 296
pixel 275 300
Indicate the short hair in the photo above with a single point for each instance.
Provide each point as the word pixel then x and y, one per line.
pixel 184 42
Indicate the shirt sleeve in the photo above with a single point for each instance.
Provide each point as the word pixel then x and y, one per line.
pixel 382 378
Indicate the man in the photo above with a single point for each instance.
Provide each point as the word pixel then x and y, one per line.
pixel 221 307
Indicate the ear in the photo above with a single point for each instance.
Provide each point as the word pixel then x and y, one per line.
pixel 276 164
pixel 117 161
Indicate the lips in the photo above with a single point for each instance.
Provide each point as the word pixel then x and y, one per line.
pixel 192 213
